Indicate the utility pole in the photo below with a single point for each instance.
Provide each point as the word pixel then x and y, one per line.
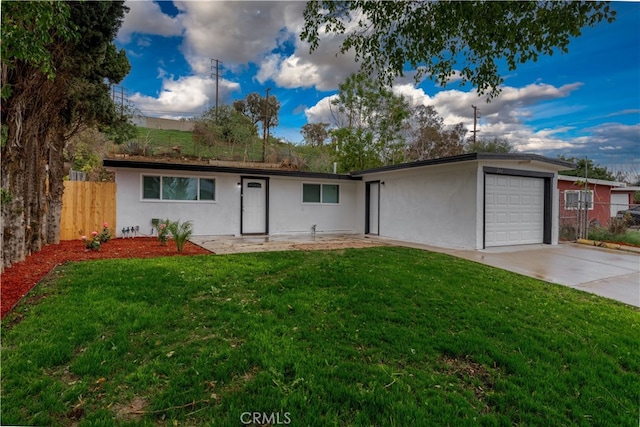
pixel 585 194
pixel 265 126
pixel 217 75
pixel 475 122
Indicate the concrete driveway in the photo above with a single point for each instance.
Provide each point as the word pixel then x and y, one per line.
pixel 609 273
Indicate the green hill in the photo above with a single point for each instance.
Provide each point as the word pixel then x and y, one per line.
pixel 182 144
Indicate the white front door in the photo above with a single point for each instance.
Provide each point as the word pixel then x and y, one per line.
pixel 254 206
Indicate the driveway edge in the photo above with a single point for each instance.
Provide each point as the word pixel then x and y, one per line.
pixel 609 245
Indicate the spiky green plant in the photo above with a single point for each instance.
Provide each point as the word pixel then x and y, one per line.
pixel 180 232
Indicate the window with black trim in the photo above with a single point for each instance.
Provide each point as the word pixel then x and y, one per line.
pixel 179 188
pixel 321 193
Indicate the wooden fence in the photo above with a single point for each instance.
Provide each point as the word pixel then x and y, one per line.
pixel 85 207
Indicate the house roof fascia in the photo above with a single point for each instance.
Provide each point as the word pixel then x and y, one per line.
pixel 129 164
pixel 591 181
pixel 560 164
pixel 625 189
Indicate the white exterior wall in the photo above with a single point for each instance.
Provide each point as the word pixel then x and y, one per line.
pixel 435 205
pixel 209 218
pixel 287 213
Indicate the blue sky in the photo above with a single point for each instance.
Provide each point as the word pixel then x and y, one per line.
pixel 585 103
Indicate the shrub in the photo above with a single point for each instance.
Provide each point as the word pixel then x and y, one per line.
pixel 568 232
pixel 134 148
pixel 180 232
pixel 163 231
pixel 92 244
pixel 618 226
pixel 105 234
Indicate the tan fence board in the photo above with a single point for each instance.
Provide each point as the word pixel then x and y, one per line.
pixel 85 207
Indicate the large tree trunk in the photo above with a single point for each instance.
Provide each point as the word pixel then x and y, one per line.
pixel 55 188
pixel 53 76
pixel 31 166
pixel 13 225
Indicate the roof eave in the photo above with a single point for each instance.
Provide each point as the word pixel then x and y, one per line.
pixel 559 164
pixel 136 164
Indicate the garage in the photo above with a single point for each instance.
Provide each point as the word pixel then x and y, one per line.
pixel 514 210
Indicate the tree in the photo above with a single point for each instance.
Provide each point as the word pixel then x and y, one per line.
pixel 430 138
pixel 120 129
pixel 629 177
pixel 253 106
pixel 438 39
pixel 226 127
pixel 57 61
pixel 260 109
pixel 85 151
pixel 369 124
pixel 496 145
pixel 315 134
pixel 586 167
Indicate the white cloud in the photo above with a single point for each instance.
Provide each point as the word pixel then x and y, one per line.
pixel 321 112
pixel 505 117
pixel 145 17
pixel 306 71
pixel 240 33
pixel 236 32
pixel 184 97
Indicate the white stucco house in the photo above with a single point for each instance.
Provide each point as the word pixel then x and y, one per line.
pixel 471 201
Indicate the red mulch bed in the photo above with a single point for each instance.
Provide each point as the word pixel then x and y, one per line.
pixel 17 280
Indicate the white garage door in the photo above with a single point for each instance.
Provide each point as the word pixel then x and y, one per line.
pixel 514 210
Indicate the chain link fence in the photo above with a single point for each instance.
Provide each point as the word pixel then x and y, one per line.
pixel 579 213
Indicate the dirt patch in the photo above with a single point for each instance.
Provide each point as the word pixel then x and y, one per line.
pixel 472 375
pixel 132 411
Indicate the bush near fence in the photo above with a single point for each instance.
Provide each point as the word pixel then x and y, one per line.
pixel 575 222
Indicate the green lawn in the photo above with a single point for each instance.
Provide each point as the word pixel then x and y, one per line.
pixel 162 141
pixel 630 237
pixel 379 336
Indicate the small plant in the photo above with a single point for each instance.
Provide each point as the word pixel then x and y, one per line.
pixel 135 148
pixel 181 232
pixel 92 244
pixel 105 234
pixel 5 196
pixel 618 226
pixel 568 232
pixel 163 231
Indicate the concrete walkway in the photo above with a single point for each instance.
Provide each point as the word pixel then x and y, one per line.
pixel 609 273
pixel 305 242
